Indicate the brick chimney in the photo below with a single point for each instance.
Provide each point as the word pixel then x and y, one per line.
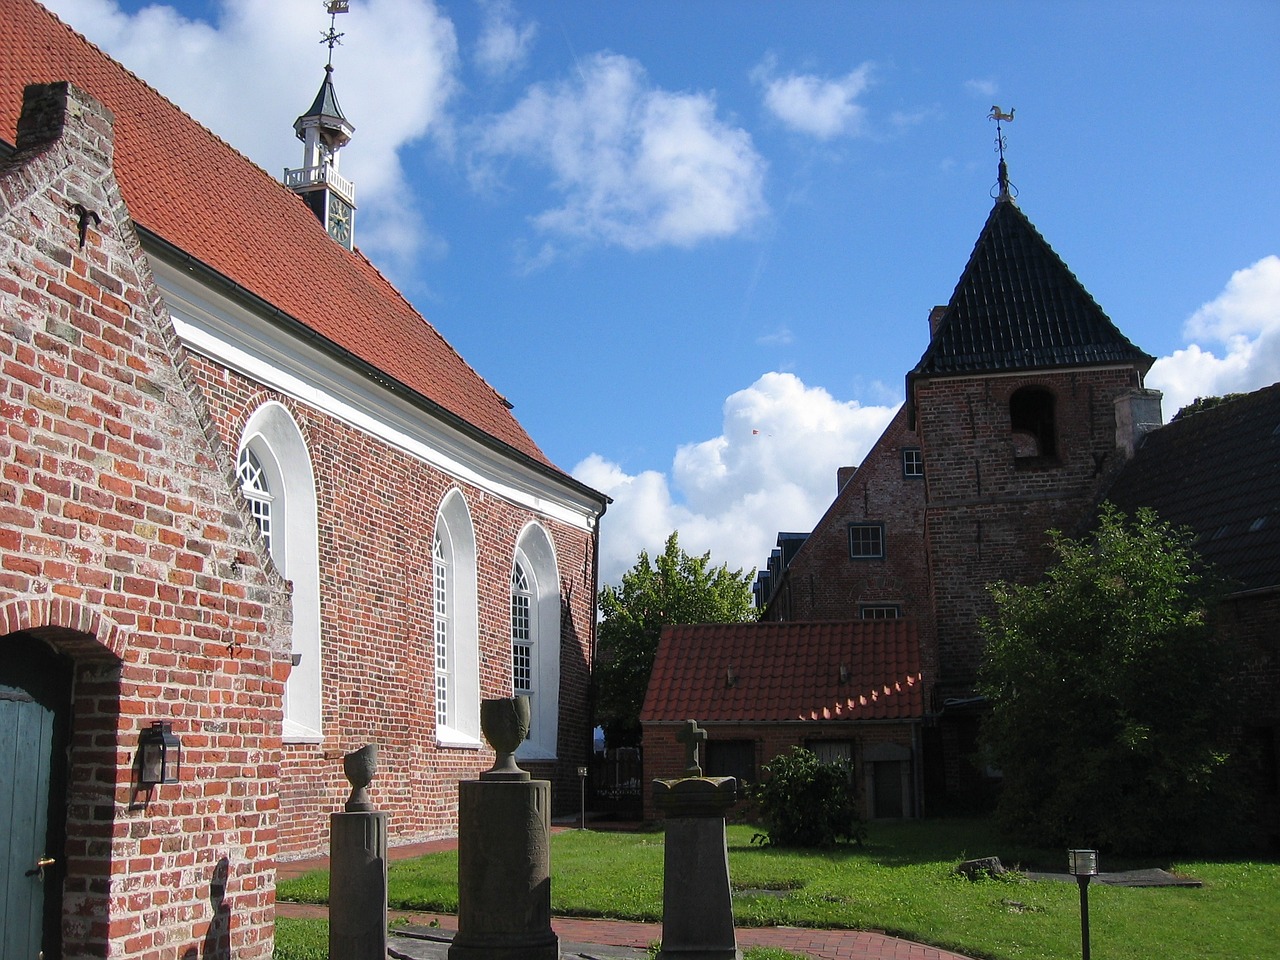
pixel 1137 414
pixel 935 318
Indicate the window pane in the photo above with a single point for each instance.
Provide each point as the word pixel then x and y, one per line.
pixel 866 540
pixel 441 605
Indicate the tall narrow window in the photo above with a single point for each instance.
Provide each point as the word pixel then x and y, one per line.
pixel 443 631
pixel 257 490
pixel 535 639
pixel 279 487
pixel 522 637
pixel 455 631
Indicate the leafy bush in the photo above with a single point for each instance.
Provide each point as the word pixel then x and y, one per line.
pixel 805 802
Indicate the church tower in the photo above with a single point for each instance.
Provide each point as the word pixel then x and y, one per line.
pixel 1020 403
pixel 324 131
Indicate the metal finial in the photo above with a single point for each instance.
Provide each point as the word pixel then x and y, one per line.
pixel 1006 189
pixel 332 37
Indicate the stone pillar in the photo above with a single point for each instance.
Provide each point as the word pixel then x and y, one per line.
pixel 504 872
pixel 358 868
pixel 504 850
pixel 697 900
pixel 358 886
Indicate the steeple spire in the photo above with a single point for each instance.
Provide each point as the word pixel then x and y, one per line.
pixel 1002 169
pixel 324 131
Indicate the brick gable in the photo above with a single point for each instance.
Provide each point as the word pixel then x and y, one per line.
pixel 127 552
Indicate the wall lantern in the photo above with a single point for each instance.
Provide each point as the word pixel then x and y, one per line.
pixel 159 754
pixel 1082 865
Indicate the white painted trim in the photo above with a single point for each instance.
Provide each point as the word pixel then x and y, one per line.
pixel 220 329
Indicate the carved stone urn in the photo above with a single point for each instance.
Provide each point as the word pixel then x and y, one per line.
pixel 360 767
pixel 505 724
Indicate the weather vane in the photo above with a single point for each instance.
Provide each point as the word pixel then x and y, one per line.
pixel 332 36
pixel 1002 171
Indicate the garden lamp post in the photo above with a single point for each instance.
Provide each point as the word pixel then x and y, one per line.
pixel 1083 865
pixel 582 787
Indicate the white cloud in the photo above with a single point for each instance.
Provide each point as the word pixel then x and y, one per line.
pixel 773 468
pixel 638 167
pixel 503 45
pixel 1244 321
pixel 818 106
pixel 249 74
pixel 781 337
pixel 982 88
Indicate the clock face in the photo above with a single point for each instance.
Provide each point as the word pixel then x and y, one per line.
pixel 340 220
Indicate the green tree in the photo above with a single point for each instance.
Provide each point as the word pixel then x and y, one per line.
pixel 1110 711
pixel 676 588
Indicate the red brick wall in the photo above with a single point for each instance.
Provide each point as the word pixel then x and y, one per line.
pixel 665 756
pixel 824 583
pixel 125 549
pixel 377 510
pixel 987 513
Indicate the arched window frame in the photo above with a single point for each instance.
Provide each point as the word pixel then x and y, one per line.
pixel 457 720
pixel 272 440
pixel 535 556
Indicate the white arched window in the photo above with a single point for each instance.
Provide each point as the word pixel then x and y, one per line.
pixel 455 626
pixel 276 479
pixel 535 639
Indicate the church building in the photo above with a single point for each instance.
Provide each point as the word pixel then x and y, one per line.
pixel 255 513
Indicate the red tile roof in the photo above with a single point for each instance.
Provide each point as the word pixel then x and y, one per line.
pixel 193 190
pixel 772 672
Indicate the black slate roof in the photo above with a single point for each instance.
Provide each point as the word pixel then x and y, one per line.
pixel 1218 472
pixel 1018 307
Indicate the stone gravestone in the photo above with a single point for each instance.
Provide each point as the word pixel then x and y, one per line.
pixel 504 853
pixel 358 867
pixel 697 901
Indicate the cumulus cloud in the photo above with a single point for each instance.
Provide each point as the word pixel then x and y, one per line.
pixel 1243 323
pixel 251 72
pixel 818 106
pixel 637 166
pixel 772 468
pixel 504 43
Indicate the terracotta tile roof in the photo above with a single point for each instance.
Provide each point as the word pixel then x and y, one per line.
pixel 194 191
pixel 772 672
pixel 1019 307
pixel 1216 471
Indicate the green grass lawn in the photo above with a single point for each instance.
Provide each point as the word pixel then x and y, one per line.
pixel 901 882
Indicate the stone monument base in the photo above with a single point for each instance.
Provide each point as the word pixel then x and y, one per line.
pixel 358 886
pixel 504 872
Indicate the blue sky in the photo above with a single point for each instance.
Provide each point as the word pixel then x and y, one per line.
pixel 695 242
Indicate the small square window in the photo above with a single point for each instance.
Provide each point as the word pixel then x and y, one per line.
pixel 912 462
pixel 866 541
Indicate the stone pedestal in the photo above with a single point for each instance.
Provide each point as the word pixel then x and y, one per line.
pixel 357 886
pixel 504 871
pixel 697 900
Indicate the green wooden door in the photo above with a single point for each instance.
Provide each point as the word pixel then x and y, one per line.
pixel 34 706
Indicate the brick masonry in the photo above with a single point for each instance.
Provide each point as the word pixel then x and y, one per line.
pixel 377 513
pixel 126 551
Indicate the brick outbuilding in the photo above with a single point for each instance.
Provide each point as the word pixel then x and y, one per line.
pixel 849 691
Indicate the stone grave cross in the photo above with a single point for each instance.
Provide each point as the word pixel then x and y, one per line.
pixel 691 735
